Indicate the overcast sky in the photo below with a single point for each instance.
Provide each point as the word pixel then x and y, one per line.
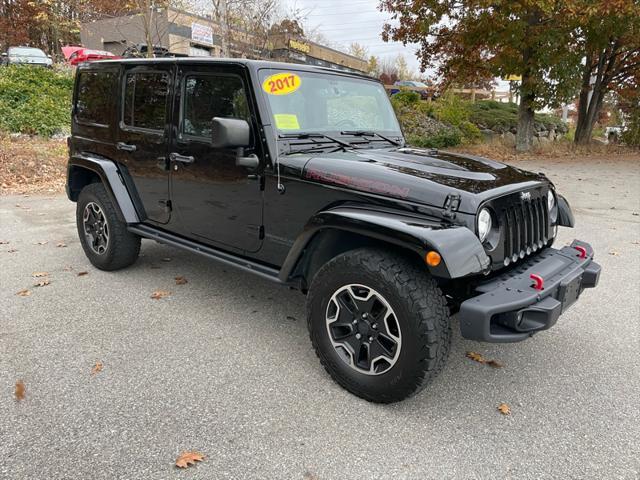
pixel 344 22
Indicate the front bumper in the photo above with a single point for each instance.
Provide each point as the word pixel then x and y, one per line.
pixel 510 309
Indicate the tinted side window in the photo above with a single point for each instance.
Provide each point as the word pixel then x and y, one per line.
pixel 145 100
pixel 208 96
pixel 95 97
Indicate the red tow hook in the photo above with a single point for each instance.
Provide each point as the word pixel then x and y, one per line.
pixel 538 281
pixel 582 251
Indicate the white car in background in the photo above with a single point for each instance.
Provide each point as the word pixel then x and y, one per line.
pixel 26 55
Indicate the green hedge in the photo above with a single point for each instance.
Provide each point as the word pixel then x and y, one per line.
pixel 504 116
pixel 35 100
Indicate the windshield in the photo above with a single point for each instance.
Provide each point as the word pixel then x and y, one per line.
pixel 322 102
pixel 26 52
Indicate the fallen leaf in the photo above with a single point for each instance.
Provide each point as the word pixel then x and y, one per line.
pixel 635 214
pixel 476 357
pixel 158 294
pixel 80 274
pixel 12 250
pixel 20 390
pixel 96 368
pixel 24 292
pixel 188 458
pixel 42 283
pixel 40 274
pixel 61 245
pixel 181 280
pixel 504 409
pixel 4 242
pixel 43 242
pixel 614 253
pixel 166 259
pixel 495 364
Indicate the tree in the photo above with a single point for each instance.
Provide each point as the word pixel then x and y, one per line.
pixel 373 66
pixel 475 39
pixel 245 25
pixel 610 42
pixel 358 50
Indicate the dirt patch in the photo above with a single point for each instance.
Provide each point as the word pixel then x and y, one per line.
pixel 32 165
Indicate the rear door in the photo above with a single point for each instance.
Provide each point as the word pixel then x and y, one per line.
pixel 215 200
pixel 143 133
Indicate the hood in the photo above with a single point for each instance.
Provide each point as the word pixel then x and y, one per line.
pixel 420 176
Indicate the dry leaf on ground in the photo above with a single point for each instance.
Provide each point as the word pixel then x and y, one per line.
pixel 12 250
pixel 4 242
pixel 80 274
pixel 40 274
pixel 188 458
pixel 42 283
pixel 181 280
pixel 614 253
pixel 61 245
pixel 495 364
pixel 476 357
pixel 96 368
pixel 24 292
pixel 20 390
pixel 504 409
pixel 43 242
pixel 158 294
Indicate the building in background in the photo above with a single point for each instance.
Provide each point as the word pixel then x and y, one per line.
pixel 183 33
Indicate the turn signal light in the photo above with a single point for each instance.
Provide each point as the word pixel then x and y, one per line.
pixel 432 258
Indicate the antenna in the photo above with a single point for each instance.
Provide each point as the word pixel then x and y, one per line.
pixel 279 185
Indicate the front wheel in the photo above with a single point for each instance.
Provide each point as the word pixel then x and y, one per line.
pixel 379 324
pixel 104 237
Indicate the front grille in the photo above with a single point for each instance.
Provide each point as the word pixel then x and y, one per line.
pixel 525 228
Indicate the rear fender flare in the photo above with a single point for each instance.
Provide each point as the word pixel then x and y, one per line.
pixel 108 172
pixel 461 251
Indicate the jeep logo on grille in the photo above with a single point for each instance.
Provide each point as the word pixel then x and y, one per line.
pixel 525 196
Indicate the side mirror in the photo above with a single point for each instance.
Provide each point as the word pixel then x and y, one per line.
pixel 230 133
pixel 233 133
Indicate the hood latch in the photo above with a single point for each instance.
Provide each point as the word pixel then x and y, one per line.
pixel 451 205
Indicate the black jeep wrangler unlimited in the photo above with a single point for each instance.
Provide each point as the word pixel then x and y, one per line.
pixel 301 175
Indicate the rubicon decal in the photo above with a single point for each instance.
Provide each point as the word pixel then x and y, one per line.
pixel 373 186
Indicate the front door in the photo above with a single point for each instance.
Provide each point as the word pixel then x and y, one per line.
pixel 143 133
pixel 215 200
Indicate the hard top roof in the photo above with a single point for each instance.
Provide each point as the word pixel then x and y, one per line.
pixel 253 64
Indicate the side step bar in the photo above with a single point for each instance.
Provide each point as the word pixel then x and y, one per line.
pixel 206 251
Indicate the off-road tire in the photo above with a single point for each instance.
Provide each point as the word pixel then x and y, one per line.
pixel 123 247
pixel 422 315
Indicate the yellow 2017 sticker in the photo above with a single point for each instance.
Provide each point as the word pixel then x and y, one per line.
pixel 286 121
pixel 281 83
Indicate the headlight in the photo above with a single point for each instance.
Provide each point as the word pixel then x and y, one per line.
pixel 551 200
pixel 484 224
pixel 553 209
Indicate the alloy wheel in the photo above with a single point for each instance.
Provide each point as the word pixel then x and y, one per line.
pixel 363 329
pixel 96 228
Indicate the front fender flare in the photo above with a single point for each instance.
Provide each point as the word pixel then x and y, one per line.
pixel 565 215
pixel 461 251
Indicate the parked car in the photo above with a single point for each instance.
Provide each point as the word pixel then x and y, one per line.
pixel 77 54
pixel 425 91
pixel 26 55
pixel 301 175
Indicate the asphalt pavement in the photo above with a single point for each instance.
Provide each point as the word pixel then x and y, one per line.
pixel 224 366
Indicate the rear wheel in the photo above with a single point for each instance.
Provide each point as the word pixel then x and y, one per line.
pixel 105 239
pixel 379 324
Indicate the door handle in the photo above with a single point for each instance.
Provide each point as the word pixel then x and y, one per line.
pixel 126 147
pixel 176 157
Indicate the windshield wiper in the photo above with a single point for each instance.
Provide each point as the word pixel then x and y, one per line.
pixel 366 133
pixel 313 135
